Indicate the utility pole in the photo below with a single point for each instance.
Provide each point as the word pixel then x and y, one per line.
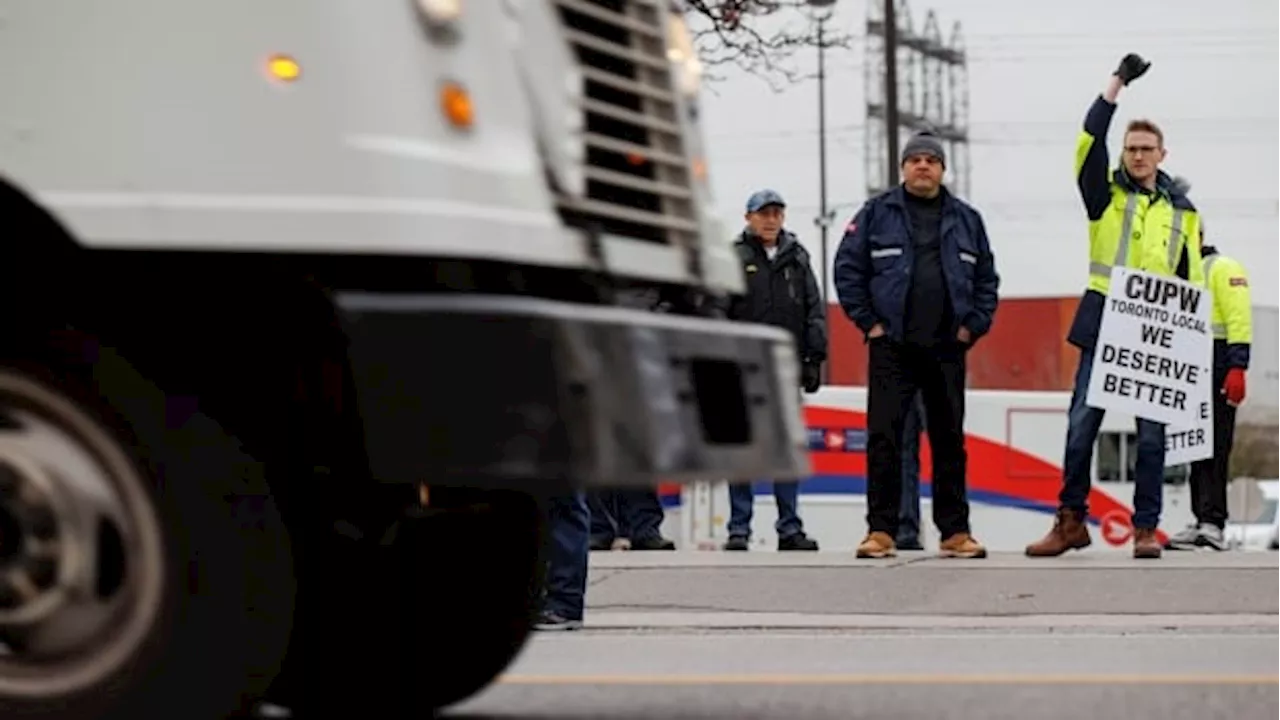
pixel 900 60
pixel 825 221
pixel 891 89
pixel 821 11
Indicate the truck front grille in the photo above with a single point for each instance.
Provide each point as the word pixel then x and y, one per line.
pixel 638 183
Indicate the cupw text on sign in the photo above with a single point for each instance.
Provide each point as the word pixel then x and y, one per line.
pixel 1160 291
pixel 1153 354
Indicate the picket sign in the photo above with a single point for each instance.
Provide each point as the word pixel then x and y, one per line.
pixel 1154 359
pixel 1190 442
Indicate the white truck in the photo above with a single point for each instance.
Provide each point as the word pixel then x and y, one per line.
pixel 308 306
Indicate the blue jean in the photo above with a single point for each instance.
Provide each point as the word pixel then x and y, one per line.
pixel 742 506
pixel 569 546
pixel 909 510
pixel 1077 462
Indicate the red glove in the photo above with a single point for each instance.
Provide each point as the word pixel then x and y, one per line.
pixel 1233 386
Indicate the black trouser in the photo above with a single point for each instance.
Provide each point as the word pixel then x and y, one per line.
pixel 1209 476
pixel 632 513
pixel 895 372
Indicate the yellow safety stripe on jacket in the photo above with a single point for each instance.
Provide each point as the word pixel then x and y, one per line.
pixel 1232 318
pixel 1126 232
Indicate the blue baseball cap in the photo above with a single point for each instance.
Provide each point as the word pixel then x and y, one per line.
pixel 761 198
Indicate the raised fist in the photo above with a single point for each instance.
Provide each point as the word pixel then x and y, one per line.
pixel 1132 67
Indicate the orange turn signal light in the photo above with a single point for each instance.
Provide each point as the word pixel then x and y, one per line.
pixel 455 103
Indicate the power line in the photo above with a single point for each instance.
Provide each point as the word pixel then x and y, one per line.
pixel 1175 37
pixel 1149 35
pixel 1219 126
pixel 1180 52
pixel 745 154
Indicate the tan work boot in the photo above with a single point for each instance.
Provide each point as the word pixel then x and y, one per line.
pixel 1069 533
pixel 1145 544
pixel 961 545
pixel 877 545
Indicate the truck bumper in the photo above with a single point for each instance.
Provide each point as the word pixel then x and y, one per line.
pixel 505 391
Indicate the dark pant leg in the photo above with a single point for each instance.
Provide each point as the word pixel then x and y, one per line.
pixel 1083 423
pixel 787 497
pixel 1214 490
pixel 1200 476
pixel 641 514
pixel 567 556
pixel 741 507
pixel 941 373
pixel 909 510
pixel 890 389
pixel 604 516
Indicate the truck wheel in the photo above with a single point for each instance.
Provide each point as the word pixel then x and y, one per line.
pixel 472 571
pixel 144 570
pixel 443 610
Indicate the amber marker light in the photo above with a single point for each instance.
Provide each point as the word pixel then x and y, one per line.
pixel 283 68
pixel 699 168
pixel 455 103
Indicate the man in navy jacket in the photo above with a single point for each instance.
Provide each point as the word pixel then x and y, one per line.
pixel 915 273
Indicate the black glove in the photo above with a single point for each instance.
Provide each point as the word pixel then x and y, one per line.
pixel 811 377
pixel 1132 67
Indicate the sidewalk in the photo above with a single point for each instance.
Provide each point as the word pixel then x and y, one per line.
pixel 834 590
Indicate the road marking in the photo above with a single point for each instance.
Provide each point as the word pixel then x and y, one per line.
pixel 1136 631
pixel 873 679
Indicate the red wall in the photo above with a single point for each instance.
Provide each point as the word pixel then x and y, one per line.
pixel 1025 349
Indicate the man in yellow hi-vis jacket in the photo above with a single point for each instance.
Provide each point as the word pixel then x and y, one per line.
pixel 1139 219
pixel 1232 324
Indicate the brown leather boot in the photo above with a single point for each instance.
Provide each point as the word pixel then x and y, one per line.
pixel 961 545
pixel 1069 533
pixel 1145 544
pixel 877 545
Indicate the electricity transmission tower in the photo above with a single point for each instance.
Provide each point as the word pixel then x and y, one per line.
pixel 932 81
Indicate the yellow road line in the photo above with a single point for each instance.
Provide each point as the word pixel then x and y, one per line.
pixel 872 679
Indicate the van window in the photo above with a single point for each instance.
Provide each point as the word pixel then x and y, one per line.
pixel 1177 474
pixel 1265 515
pixel 1116 458
pixel 1109 457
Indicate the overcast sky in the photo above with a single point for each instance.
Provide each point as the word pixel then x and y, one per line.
pixel 1034 67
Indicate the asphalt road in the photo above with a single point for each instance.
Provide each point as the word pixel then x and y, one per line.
pixel 762 635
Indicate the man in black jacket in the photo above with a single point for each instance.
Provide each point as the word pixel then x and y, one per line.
pixel 781 291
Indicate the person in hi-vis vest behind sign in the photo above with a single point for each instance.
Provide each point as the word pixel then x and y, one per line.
pixel 1232 326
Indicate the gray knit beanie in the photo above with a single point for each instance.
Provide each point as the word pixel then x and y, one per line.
pixel 924 143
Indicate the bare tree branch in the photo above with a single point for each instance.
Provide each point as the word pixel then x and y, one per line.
pixel 725 33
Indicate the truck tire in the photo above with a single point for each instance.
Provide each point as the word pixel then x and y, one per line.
pixel 473 575
pixel 186 606
pixel 443 609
